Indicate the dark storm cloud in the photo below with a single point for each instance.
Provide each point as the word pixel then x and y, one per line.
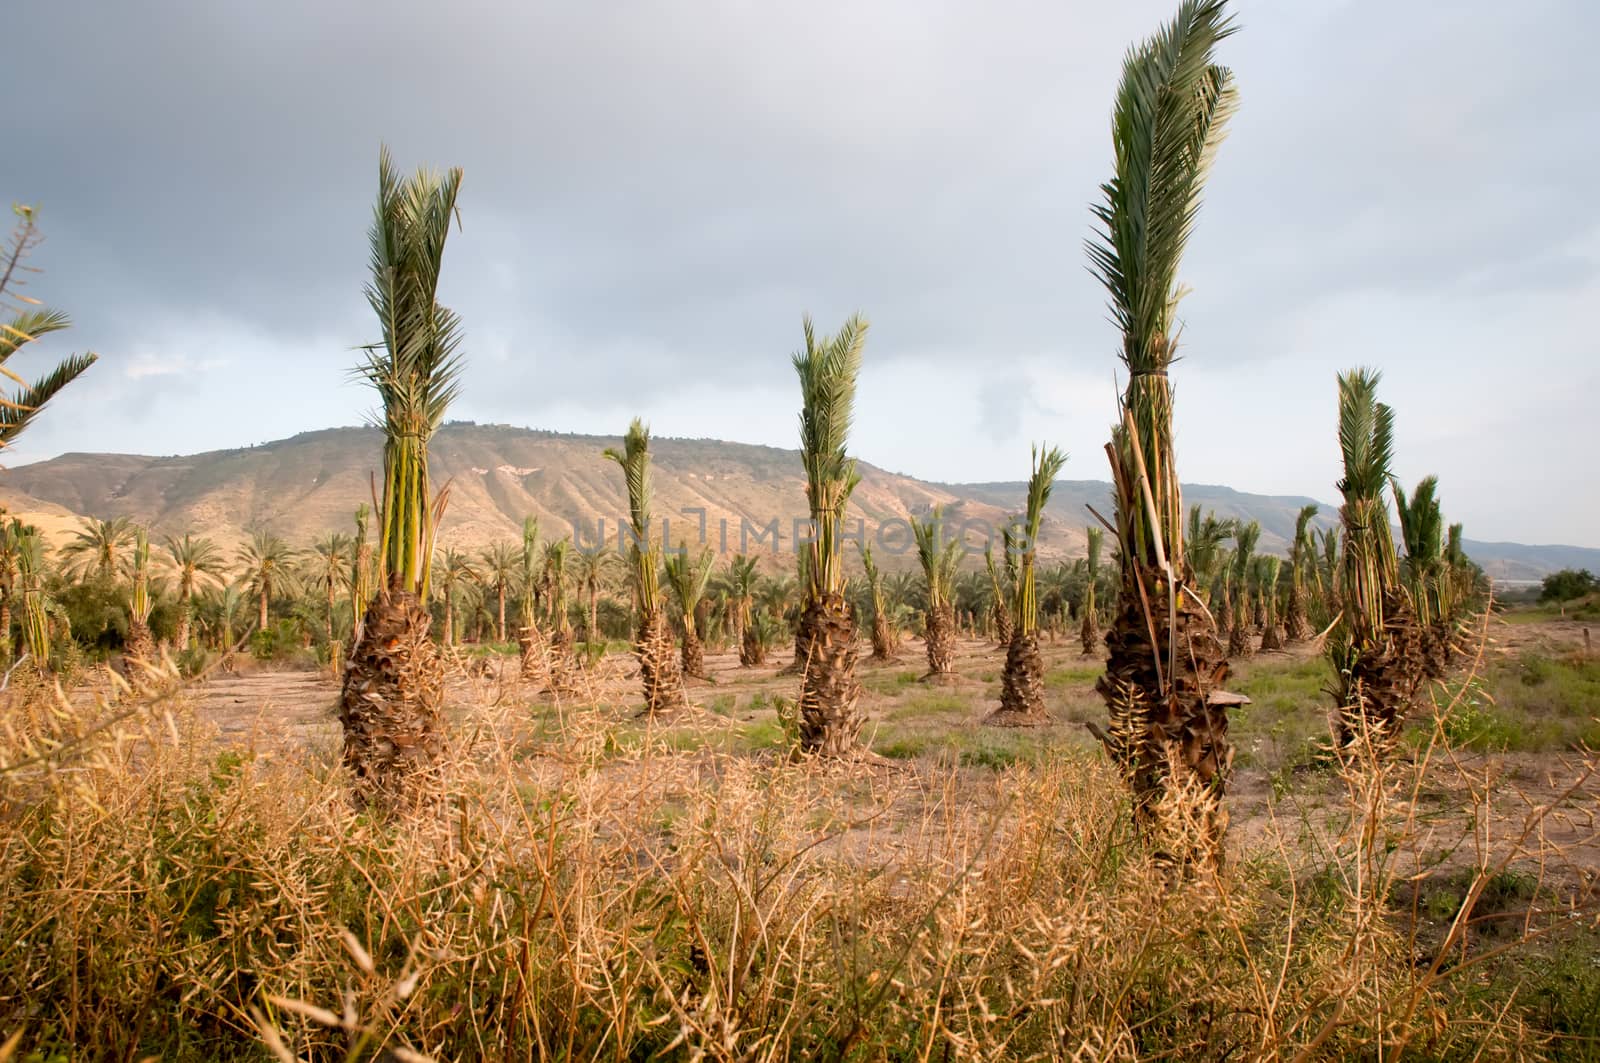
pixel 655 192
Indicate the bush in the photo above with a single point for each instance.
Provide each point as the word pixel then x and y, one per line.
pixel 1568 584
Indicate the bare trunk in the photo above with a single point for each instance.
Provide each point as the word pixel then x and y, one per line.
pixel 830 696
pixel 1021 686
pixel 882 639
pixel 500 628
pixel 389 703
pixel 261 615
pixel 593 633
pixel 694 654
pixel 939 636
pixel 658 666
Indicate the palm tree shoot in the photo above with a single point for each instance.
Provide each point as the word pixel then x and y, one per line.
pixel 1022 682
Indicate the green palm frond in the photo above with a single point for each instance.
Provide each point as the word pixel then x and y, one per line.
pixel 940 557
pixel 828 368
pixel 634 458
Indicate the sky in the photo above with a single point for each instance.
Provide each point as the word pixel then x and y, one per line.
pixel 656 192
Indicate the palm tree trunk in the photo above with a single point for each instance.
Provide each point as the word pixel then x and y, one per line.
pixel 261 615
pixel 593 634
pixel 5 627
pixel 694 653
pixel 329 631
pixel 185 623
pixel 389 703
pixel 939 636
pixel 500 628
pixel 882 640
pixel 1089 631
pixel 1021 685
pixel 658 665
pixel 829 710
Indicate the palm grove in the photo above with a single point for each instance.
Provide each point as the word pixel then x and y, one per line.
pixel 393 610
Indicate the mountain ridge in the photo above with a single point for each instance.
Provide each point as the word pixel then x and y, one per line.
pixel 310 483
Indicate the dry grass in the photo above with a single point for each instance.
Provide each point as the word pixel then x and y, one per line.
pixel 592 887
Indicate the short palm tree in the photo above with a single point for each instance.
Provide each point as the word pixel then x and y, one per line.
pixel 999 591
pixel 11 535
pixel 28 322
pixel 456 572
pixel 1022 681
pixel 31 572
pixel 1245 538
pixel 523 571
pixel 591 573
pixel 1423 570
pixel 739 582
pixel 883 633
pixel 554 580
pixel 100 550
pixel 140 645
pixel 940 558
pixel 1267 569
pixel 687 577
pixel 829 709
pixel 197 563
pixel 1296 628
pixel 1374 648
pixel 1089 625
pixel 268 571
pixel 663 682
pixel 1163 659
pixel 394 679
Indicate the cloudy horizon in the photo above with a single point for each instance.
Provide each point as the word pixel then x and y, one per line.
pixel 652 200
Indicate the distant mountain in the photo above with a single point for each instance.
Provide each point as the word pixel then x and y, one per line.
pixel 310 484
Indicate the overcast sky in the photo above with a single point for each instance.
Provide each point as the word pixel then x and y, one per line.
pixel 656 191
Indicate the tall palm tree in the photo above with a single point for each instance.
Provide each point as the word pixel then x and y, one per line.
pixel 28 322
pixel 455 572
pixel 591 573
pixel 1089 626
pixel 1374 648
pixel 940 558
pixel 1022 681
pixel 663 682
pixel 498 568
pixel 394 683
pixel 197 563
pixel 829 709
pixel 1295 626
pixel 883 640
pixel 100 550
pixel 1163 657
pixel 331 558
pixel 268 571
pixel 1245 538
pixel 686 578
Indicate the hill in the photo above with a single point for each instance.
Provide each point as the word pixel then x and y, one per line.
pixel 310 484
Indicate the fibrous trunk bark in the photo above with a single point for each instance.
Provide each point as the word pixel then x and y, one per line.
pixel 882 640
pixel 751 651
pixel 1002 624
pixel 139 645
pixel 535 666
pixel 694 654
pixel 829 711
pixel 1021 685
pixel 390 700
pixel 1240 642
pixel 658 665
pixel 1295 627
pixel 1384 680
pixel 939 633
pixel 1167 733
pixel 1089 632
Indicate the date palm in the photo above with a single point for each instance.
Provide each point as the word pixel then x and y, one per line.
pixel 1022 681
pixel 1267 569
pixel 1374 647
pixel 527 577
pixel 829 710
pixel 1422 569
pixel 658 667
pixel 1089 625
pixel 1000 597
pixel 267 564
pixel 100 550
pixel 456 572
pixel 499 568
pixel 329 571
pixel 1295 626
pixel 28 322
pixel 883 636
pixel 738 583
pixel 940 558
pixel 394 683
pixel 1163 658
pixel 1245 538
pixel 197 563
pixel 591 573
pixel 31 572
pixel 687 577
pixel 140 645
pixel 11 536
pixel 360 580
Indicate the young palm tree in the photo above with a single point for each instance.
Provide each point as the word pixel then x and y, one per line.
pixel 829 709
pixel 1422 533
pixel 100 550
pixel 11 536
pixel 1267 570
pixel 526 575
pixel 1022 682
pixel 1374 647
pixel 1000 606
pixel 139 645
pixel 498 569
pixel 940 558
pixel 1295 626
pixel 1327 567
pixel 563 662
pixel 455 573
pixel 1089 628
pixel 1245 538
pixel 739 582
pixel 268 564
pixel 197 564
pixel 687 578
pixel 360 581
pixel 330 571
pixel 1163 657
pixel 883 637
pixel 394 681
pixel 663 682
pixel 29 321
pixel 31 577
